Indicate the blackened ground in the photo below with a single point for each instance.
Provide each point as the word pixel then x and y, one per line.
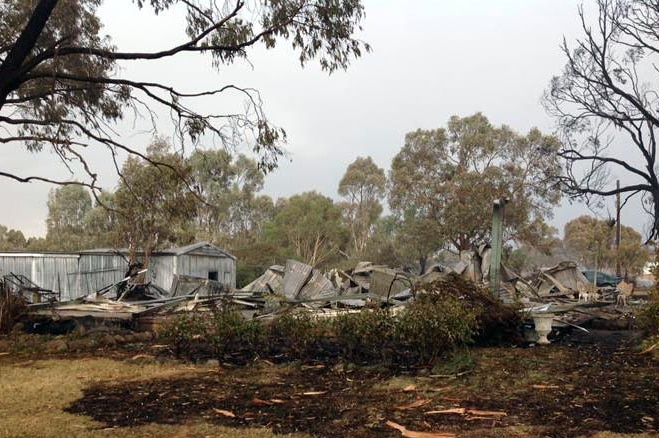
pixel 582 384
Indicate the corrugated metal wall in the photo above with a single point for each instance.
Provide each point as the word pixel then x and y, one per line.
pixel 48 271
pixel 76 275
pixel 200 266
pixel 162 270
pixel 96 271
pixel 21 265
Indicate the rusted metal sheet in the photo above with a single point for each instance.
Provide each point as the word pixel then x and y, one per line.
pixel 270 281
pixel 318 287
pixel 296 276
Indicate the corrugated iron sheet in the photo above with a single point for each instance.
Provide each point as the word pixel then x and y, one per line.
pixel 295 277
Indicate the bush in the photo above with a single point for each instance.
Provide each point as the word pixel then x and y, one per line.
pixel 496 322
pixel 185 332
pixel 648 316
pixel 12 308
pixel 447 314
pixel 366 336
pixel 299 334
pixel 230 332
pixel 435 324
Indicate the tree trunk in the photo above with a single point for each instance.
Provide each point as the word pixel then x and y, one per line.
pixel 9 69
pixel 423 261
pixel 655 224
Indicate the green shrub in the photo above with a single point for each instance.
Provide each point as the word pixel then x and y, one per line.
pixel 496 322
pixel 300 335
pixel 648 316
pixel 366 336
pixel 435 324
pixel 230 332
pixel 185 331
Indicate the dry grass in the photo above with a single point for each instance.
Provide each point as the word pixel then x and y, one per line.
pixel 33 396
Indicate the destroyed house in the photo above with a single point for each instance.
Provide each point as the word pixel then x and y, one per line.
pixel 77 274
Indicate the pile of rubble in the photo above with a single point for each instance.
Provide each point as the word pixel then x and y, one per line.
pixel 133 303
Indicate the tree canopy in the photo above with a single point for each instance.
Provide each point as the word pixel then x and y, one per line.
pixel 363 186
pixel 61 85
pixel 451 176
pixel 68 208
pixel 308 227
pixel 593 240
pixel 606 104
pixel 231 211
pixel 153 204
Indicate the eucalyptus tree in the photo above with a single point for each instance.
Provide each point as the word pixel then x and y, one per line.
pixel 63 85
pixel 450 177
pixel 363 187
pixel 307 226
pixel 68 207
pixel 606 104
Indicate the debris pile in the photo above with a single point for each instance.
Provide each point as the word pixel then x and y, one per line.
pixel 496 321
pixel 562 290
pixel 12 306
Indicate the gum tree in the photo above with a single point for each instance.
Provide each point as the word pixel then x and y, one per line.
pixel 607 92
pixel 449 177
pixel 63 89
pixel 362 186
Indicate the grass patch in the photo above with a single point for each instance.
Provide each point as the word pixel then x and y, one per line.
pixel 34 394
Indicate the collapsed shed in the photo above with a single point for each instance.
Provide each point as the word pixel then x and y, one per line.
pixel 79 273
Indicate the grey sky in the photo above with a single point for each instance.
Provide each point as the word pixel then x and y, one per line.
pixel 431 59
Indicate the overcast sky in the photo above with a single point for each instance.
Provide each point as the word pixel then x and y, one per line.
pixel 431 59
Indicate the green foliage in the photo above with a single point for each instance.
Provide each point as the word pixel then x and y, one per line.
pixel 64 89
pixel 299 334
pixel 433 327
pixel 435 324
pixel 450 176
pixel 101 223
pixel 495 322
pixel 648 316
pixel 68 207
pixel 307 226
pixel 230 332
pixel 154 205
pixel 223 331
pixel 367 335
pixel 11 239
pixel 363 186
pixel 185 331
pixel 593 240
pixel 54 94
pixel 232 213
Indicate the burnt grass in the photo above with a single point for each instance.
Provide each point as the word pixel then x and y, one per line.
pixel 582 384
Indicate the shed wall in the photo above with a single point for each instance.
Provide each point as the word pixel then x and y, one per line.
pixel 18 265
pixel 96 271
pixel 200 266
pixel 48 271
pixel 162 270
pixel 51 273
pixel 76 275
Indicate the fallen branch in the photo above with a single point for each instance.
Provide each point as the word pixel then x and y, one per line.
pixel 650 348
pixel 414 434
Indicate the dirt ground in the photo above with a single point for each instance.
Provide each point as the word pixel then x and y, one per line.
pixel 583 385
